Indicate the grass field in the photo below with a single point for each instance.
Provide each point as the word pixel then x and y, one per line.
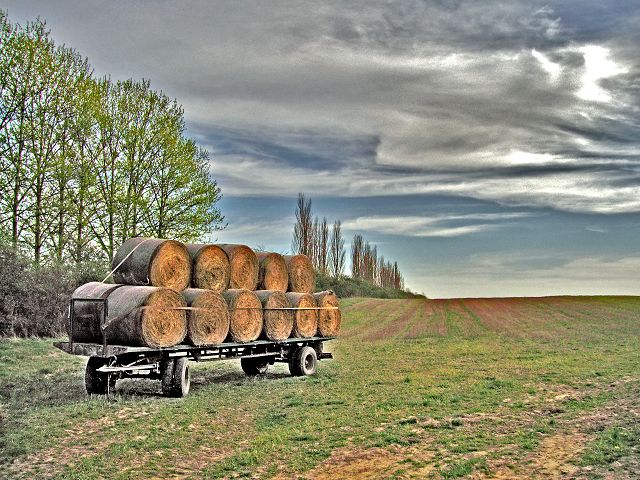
pixel 500 388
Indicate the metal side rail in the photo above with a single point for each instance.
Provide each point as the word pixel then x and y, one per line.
pixel 222 350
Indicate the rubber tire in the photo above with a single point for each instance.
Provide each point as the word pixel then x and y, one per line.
pixel 254 366
pixel 176 377
pixel 97 383
pixel 303 361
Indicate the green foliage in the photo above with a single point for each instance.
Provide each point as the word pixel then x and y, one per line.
pixel 345 287
pixel 34 298
pixel 612 444
pixel 86 163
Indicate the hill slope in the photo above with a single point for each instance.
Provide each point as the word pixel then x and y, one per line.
pixel 542 387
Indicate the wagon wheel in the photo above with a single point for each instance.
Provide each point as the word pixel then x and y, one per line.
pixel 254 366
pixel 176 377
pixel 303 361
pixel 98 383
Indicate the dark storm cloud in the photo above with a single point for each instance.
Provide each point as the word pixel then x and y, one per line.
pixel 311 149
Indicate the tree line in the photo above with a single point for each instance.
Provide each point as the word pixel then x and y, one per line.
pixel 326 247
pixel 366 265
pixel 312 237
pixel 87 162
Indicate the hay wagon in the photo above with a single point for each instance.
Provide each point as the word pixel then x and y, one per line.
pixel 109 363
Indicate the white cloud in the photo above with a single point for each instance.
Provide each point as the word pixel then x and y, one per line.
pixel 436 226
pixel 571 191
pixel 597 66
pixel 516 157
pixel 552 69
pixel 513 275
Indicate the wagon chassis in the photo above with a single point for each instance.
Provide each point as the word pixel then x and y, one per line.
pixel 109 363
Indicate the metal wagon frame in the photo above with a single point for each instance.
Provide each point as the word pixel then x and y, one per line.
pixel 109 363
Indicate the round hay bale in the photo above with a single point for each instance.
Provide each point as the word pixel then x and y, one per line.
pixel 245 315
pixel 244 267
pixel 305 322
pixel 155 262
pixel 328 320
pixel 277 324
pixel 88 315
pixel 210 267
pixel 143 316
pixel 272 272
pixel 208 323
pixel 302 277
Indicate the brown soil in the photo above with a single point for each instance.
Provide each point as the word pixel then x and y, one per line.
pixel 419 327
pixel 372 463
pixel 397 325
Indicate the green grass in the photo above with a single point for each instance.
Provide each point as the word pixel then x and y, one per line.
pixel 612 444
pixel 484 393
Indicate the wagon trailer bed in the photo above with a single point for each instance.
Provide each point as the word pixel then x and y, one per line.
pixel 109 363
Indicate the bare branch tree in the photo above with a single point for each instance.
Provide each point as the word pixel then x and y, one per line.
pixel 336 250
pixel 302 231
pixel 357 247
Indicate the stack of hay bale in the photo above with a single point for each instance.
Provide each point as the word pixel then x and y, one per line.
pixel 167 292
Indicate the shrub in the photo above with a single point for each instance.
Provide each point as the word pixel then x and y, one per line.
pixel 352 287
pixel 34 299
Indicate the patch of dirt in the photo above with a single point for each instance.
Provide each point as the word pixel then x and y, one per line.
pixel 91 438
pixel 80 443
pixel 373 463
pixel 560 453
pixel 553 459
pixel 182 466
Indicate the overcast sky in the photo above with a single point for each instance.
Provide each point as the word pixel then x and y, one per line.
pixel 492 148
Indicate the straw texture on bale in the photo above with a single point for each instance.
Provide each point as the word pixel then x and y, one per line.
pixel 88 315
pixel 210 267
pixel 328 320
pixel 243 267
pixel 155 262
pixel 277 324
pixel 142 316
pixel 302 277
pixel 305 322
pixel 272 272
pixel 245 315
pixel 208 322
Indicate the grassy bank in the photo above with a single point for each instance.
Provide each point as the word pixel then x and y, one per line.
pixel 346 287
pixel 418 389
